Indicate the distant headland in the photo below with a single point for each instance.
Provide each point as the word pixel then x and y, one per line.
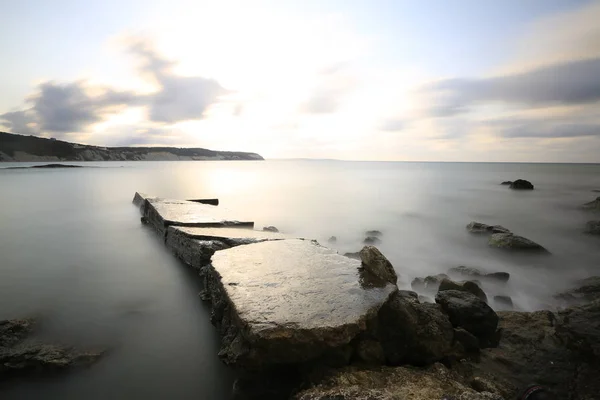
pixel 14 147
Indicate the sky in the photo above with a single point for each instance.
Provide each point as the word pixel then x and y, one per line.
pixel 444 80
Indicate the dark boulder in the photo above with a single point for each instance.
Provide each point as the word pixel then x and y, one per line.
pixel 373 233
pixel 521 184
pixel 469 342
pixel 466 286
pixel 471 313
pixel 478 227
pixel 506 183
pixel 375 267
pixel 413 333
pixel 514 242
pixel 556 352
pixel 270 229
pixel 372 240
pixel 592 227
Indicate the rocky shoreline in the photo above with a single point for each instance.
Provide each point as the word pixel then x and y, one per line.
pixel 297 320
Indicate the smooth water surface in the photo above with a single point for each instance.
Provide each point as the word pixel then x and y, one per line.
pixel 73 251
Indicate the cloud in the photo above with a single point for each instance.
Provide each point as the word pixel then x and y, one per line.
pixel 574 82
pixel 178 98
pixel 19 122
pixel 62 108
pixel 548 128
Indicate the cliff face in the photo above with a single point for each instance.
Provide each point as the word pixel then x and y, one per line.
pixel 32 148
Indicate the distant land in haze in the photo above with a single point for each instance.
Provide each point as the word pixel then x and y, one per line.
pixel 14 147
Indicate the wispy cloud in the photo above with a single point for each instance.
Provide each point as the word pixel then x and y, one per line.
pixel 61 108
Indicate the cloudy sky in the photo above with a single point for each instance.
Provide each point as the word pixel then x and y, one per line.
pixel 444 80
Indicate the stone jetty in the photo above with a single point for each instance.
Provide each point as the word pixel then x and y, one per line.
pixel 275 299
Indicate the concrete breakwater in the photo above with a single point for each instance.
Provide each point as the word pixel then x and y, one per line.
pixel 345 330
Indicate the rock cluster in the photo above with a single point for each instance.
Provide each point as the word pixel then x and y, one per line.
pixel 18 357
pixel 503 238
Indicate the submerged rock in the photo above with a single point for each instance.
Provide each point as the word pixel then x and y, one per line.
pixel 506 183
pixel 592 227
pixel 376 269
pixel 355 255
pixel 429 283
pixel 373 233
pixel 584 291
pixel 471 313
pixel 332 239
pixel 521 184
pixel 289 302
pixel 270 229
pixel 593 205
pixel 478 227
pixel 466 286
pixel 17 357
pixel 503 302
pixel 514 242
pixel 469 272
pixel 372 240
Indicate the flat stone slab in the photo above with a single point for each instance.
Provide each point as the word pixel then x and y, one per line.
pixel 162 213
pixel 292 300
pixel 226 233
pixel 195 246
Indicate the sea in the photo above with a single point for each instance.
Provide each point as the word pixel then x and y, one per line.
pixel 74 255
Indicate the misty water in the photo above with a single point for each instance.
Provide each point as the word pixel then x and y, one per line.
pixel 74 254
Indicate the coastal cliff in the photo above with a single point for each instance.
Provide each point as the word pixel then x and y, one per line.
pixel 32 148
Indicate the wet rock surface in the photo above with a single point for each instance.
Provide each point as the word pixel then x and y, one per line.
pixel 19 356
pixel 478 227
pixel 521 184
pixel 469 312
pixel 270 314
pixel 514 242
pixel 592 227
pixel 195 246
